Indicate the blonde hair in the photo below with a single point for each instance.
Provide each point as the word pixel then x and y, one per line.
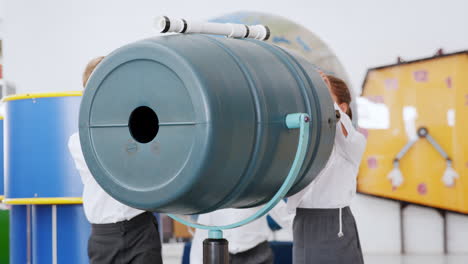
pixel 92 64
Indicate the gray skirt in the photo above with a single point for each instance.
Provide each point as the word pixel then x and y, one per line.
pixel 317 239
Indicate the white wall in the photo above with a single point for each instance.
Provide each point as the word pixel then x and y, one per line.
pixel 457 232
pixel 1 22
pixel 423 230
pixel 48 42
pixel 379 224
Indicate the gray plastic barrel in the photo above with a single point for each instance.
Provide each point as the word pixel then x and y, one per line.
pixel 192 123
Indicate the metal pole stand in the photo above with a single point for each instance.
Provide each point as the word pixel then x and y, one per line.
pixel 215 248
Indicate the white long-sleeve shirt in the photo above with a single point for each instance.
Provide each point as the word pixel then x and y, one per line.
pixel 242 238
pixel 335 186
pixel 99 207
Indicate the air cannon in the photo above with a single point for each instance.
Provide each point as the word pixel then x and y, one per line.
pixel 190 124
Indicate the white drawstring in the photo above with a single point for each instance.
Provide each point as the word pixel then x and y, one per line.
pixel 340 234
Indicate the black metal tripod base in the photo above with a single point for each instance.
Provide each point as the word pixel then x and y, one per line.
pixel 215 251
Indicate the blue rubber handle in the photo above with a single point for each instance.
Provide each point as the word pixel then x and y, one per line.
pixel 293 121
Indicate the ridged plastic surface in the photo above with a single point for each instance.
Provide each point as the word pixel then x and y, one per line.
pixel 220 105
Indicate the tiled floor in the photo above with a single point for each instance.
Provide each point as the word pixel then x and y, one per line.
pixel 412 259
pixel 172 254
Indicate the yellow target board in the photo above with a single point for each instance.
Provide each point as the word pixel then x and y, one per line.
pixel 422 155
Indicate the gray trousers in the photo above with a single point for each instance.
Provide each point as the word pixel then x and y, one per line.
pixel 135 241
pixel 260 254
pixel 316 240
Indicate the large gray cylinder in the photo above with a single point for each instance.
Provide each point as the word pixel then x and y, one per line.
pixel 192 123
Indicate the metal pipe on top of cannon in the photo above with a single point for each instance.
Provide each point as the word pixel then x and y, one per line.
pixel 188 124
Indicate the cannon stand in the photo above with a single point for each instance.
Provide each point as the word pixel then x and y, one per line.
pixel 215 248
pixel 215 251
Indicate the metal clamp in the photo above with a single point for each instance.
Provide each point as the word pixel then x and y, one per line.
pixel 449 175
